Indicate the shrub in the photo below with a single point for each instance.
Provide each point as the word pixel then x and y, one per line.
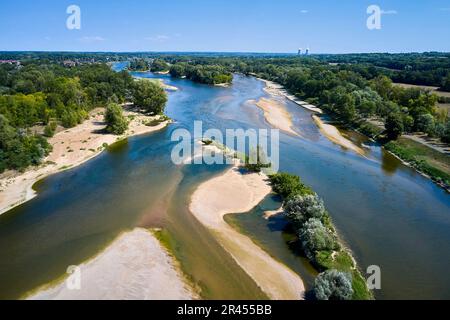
pixel 315 237
pixel 116 122
pixel 300 208
pixel 394 126
pixel 288 185
pixel 333 285
pixel 425 123
pixel 50 128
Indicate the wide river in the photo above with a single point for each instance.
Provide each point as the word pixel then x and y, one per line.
pixel 388 215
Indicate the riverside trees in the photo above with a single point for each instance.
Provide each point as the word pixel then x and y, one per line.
pixel 318 240
pixel 116 122
pixel 149 96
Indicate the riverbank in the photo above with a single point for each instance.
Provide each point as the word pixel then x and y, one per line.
pixel 333 134
pixel 71 147
pixel 275 89
pixel 429 162
pixel 237 192
pixel 276 115
pixel 134 267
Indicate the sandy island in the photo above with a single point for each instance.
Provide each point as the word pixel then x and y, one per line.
pixel 276 115
pixel 234 192
pixel 333 134
pixel 71 148
pixel 134 267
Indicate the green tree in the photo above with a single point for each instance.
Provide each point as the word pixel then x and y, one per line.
pixel 300 208
pixel 394 126
pixel 50 128
pixel 149 96
pixel 425 123
pixel 446 136
pixel 288 185
pixel 159 65
pixel 178 70
pixel 115 121
pixel 315 237
pixel 333 285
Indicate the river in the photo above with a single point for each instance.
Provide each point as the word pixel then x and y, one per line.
pixel 387 214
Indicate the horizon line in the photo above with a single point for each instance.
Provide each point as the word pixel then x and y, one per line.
pixel 222 52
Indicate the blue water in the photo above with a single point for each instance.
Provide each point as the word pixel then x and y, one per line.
pixel 387 214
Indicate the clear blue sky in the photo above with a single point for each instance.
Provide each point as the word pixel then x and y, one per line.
pixel 326 26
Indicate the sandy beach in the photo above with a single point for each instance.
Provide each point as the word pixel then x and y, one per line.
pixel 134 267
pixel 333 134
pixel 71 148
pixel 234 192
pixel 276 115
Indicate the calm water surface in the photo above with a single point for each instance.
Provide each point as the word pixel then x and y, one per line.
pixel 388 214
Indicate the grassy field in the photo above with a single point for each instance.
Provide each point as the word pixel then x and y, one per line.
pixel 429 161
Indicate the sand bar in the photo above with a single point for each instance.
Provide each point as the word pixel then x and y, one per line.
pixel 276 115
pixel 333 134
pixel 134 267
pixel 234 192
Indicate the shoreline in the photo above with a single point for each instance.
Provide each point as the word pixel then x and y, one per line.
pixel 275 89
pixel 71 148
pixel 334 135
pixel 236 192
pixel 135 266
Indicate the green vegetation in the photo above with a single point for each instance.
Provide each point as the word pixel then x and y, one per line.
pixel 333 285
pixel 426 160
pixel 18 148
pixel 138 65
pixel 208 74
pixel 46 94
pixel 115 121
pixel 287 185
pixel 149 96
pixel 50 129
pixel 354 88
pixel 319 241
pixel 159 65
pixel 43 93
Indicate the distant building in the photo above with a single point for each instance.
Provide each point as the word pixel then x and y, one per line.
pixel 307 51
pixel 69 63
pixel 299 52
pixel 16 62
